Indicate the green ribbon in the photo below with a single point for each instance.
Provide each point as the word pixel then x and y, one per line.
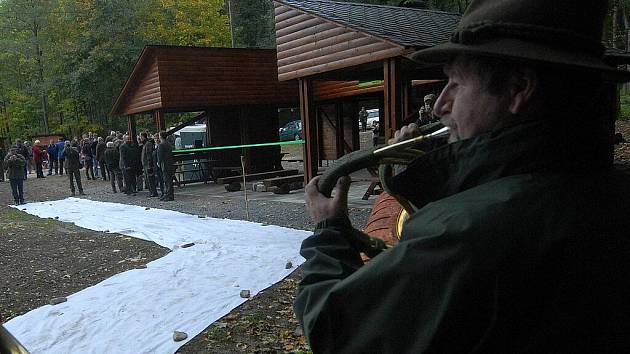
pixel 292 142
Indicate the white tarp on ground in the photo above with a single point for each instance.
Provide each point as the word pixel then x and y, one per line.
pixel 188 289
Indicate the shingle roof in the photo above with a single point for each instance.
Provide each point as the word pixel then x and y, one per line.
pixel 405 26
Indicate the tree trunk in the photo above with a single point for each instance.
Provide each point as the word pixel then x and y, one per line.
pixel 40 76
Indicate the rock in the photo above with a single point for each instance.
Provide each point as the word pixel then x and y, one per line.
pixel 298 331
pixel 141 266
pixel 57 300
pixel 289 265
pixel 282 189
pixel 147 208
pixel 179 336
pixel 233 187
pixel 187 245
pixel 245 294
pixel 56 218
pixel 200 216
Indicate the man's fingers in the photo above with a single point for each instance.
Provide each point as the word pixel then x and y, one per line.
pixel 311 187
pixel 341 190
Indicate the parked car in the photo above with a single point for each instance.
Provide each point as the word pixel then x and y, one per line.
pixel 291 131
pixel 373 116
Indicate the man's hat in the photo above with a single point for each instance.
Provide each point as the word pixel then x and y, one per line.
pixel 429 97
pixel 567 32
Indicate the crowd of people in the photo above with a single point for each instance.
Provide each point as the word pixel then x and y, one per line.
pixel 129 164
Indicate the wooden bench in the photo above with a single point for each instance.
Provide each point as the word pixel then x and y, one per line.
pixel 271 182
pixel 257 176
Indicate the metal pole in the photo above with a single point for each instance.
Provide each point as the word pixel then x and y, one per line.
pixel 231 27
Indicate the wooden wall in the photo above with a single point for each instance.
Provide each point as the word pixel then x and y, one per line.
pixel 180 79
pixel 309 45
pixel 144 95
pixel 218 76
pixel 232 125
pixel 338 129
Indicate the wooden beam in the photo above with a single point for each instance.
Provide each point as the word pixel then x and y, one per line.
pixel 131 127
pixel 276 181
pixel 158 116
pixel 391 96
pixel 186 123
pixel 256 176
pixel 309 127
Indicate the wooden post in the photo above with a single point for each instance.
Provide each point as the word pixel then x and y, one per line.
pixel 243 119
pixel 158 116
pixel 339 134
pixel 309 128
pixel 131 127
pixel 391 97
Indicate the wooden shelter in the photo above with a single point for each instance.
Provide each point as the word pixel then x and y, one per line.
pixel 343 52
pixel 46 139
pixel 236 90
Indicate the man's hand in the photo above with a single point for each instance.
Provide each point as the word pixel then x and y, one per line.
pixel 320 207
pixel 405 133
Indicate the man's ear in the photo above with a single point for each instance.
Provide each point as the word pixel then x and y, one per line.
pixel 522 86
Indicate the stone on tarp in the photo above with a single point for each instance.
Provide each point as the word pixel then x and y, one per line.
pixel 57 300
pixel 245 294
pixel 179 336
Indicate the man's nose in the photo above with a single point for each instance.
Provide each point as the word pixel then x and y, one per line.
pixel 441 105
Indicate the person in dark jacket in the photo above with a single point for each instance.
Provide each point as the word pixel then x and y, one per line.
pixel 100 158
pixel 2 156
pixel 130 164
pixel 52 159
pixel 148 164
pixel 167 165
pixel 93 145
pixel 112 162
pixel 86 156
pixel 61 157
pixel 23 150
pixel 14 165
pixel 73 165
pixel 159 176
pixel 140 171
pixel 518 235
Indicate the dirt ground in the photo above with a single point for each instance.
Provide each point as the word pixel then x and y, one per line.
pixel 41 259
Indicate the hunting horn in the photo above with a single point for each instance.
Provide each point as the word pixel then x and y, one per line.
pixel 8 343
pixel 401 153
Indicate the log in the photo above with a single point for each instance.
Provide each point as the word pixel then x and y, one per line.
pixel 271 182
pixel 257 176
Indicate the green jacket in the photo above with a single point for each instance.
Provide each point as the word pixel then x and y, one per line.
pixel 519 245
pixel 14 164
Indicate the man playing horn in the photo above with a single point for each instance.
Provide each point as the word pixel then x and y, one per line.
pixel 519 240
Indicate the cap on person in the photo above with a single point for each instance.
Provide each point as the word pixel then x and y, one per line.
pixel 429 97
pixel 110 144
pixel 529 31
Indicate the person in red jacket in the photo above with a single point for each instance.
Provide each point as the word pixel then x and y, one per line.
pixel 39 154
